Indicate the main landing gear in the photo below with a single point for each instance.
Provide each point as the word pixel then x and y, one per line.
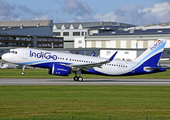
pixel 23 69
pixel 76 78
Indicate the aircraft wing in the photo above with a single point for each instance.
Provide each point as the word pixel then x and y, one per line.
pixel 91 65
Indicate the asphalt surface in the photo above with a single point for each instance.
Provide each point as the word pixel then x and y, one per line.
pixel 147 82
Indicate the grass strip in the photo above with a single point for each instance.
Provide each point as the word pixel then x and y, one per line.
pixel 21 102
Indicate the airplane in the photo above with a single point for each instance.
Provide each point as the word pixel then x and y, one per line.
pixel 63 64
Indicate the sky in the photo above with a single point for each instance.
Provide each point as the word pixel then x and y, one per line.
pixel 136 12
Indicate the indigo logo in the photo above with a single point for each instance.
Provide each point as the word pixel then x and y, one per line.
pixel 46 55
pixel 158 43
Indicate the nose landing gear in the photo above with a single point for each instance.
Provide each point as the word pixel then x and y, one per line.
pixel 23 69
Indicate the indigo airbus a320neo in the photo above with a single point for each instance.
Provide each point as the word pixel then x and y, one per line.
pixel 63 64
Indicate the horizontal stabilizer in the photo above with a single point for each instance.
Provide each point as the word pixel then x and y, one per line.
pixel 152 68
pixel 155 68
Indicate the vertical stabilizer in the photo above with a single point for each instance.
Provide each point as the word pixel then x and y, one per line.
pixel 152 55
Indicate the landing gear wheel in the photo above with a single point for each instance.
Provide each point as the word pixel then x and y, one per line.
pixel 80 79
pixel 22 73
pixel 75 78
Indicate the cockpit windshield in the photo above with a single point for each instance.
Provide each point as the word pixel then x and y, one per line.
pixel 14 52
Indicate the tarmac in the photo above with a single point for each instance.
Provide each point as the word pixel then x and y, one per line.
pixel 142 82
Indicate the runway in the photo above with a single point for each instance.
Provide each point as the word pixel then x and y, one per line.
pixel 147 82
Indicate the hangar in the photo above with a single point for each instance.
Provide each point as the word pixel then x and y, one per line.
pixel 126 38
pixel 103 38
pixel 72 31
pixel 34 33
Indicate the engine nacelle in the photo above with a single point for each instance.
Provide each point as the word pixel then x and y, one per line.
pixel 59 70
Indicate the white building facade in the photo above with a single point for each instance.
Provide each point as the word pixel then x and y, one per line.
pixel 73 33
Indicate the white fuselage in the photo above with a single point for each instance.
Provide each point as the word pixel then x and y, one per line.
pixel 34 57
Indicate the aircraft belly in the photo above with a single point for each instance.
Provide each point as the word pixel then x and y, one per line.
pixel 110 70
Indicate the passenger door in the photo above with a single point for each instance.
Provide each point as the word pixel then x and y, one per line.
pixel 25 54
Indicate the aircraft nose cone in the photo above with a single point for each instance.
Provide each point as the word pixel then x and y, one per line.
pixel 5 57
pixel 2 57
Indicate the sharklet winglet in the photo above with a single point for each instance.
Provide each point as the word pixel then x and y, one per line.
pixel 112 57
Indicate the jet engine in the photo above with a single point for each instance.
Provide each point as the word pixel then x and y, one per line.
pixel 59 70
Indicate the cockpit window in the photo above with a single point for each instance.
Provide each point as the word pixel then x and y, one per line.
pixel 14 52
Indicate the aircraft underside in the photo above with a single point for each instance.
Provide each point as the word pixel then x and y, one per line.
pixel 56 69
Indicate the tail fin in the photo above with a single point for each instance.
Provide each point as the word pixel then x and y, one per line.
pixel 152 55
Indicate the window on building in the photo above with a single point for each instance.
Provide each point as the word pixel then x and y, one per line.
pixel 60 40
pixel 39 45
pixel 11 38
pixel 55 45
pixel 11 44
pixel 50 39
pixel 65 33
pixel 76 33
pixel 39 39
pixel 17 38
pixel 82 33
pixel 5 38
pixel 49 45
pixel 60 45
pixel 44 39
pixel 21 38
pixel 55 39
pixel 44 45
pixel 57 33
pixel 29 44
